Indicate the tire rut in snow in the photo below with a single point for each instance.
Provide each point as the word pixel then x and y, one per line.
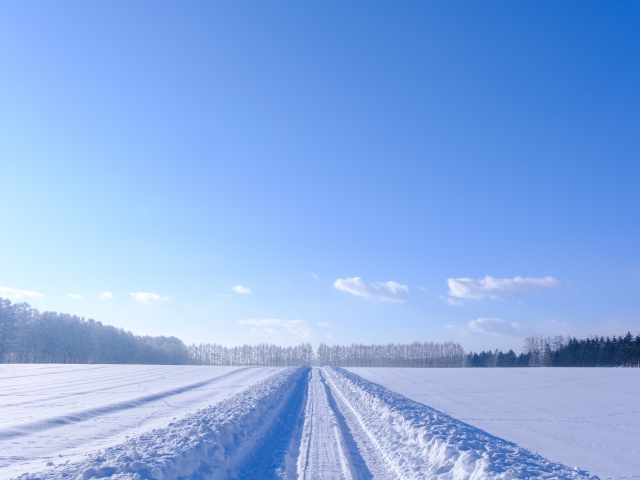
pixel 326 450
pixel 368 459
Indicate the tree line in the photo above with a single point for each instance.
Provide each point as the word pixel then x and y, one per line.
pixel 262 355
pixel 28 336
pixel 559 351
pixel 413 355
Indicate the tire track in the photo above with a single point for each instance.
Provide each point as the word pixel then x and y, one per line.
pixel 323 452
pixel 333 446
pixel 373 463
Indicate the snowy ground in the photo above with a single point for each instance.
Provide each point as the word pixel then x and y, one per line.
pixel 589 417
pixel 61 412
pixel 118 422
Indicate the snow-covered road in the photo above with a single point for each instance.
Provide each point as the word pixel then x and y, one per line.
pixel 278 423
pixel 323 453
pixel 334 443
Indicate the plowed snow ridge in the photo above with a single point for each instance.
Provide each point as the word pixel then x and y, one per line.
pixel 59 413
pixel 420 442
pixel 313 424
pixel 212 443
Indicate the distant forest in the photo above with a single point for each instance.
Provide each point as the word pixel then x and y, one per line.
pixel 28 336
pixel 413 355
pixel 562 351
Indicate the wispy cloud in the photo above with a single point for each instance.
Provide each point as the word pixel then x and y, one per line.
pixel 498 288
pixel 276 327
pixel 492 326
pixel 325 324
pixel 15 294
pixel 105 296
pixel 75 295
pixel 450 301
pixel 382 291
pixel 420 287
pixel 241 289
pixel 314 275
pixel 146 297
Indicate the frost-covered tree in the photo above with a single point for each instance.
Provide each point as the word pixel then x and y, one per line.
pixel 28 336
pixel 414 355
pixel 262 355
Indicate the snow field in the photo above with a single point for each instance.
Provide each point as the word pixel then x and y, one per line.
pixel 585 417
pixel 420 442
pixel 211 443
pixel 59 413
pixel 320 423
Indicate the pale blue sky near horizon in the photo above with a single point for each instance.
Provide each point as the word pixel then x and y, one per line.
pixel 289 148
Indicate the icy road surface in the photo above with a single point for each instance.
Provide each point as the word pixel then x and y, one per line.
pixel 61 412
pixel 589 417
pixel 294 423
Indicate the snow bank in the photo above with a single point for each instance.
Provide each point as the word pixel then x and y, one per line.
pixel 420 442
pixel 209 444
pixel 588 417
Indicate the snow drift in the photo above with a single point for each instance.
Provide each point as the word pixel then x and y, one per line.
pixel 421 442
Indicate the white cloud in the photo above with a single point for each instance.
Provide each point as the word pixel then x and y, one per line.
pixel 314 275
pixel 324 324
pixel 75 295
pixel 492 326
pixel 241 289
pixel 383 291
pixel 15 294
pixel 276 327
pixel 146 297
pixel 105 296
pixel 450 301
pixel 420 287
pixel 498 288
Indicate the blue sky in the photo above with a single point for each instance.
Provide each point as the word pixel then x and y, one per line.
pixel 238 172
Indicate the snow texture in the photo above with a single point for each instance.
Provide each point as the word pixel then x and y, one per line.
pixel 589 417
pixel 212 443
pixel 323 450
pixel 333 444
pixel 59 413
pixel 320 423
pixel 420 442
pixel 359 457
